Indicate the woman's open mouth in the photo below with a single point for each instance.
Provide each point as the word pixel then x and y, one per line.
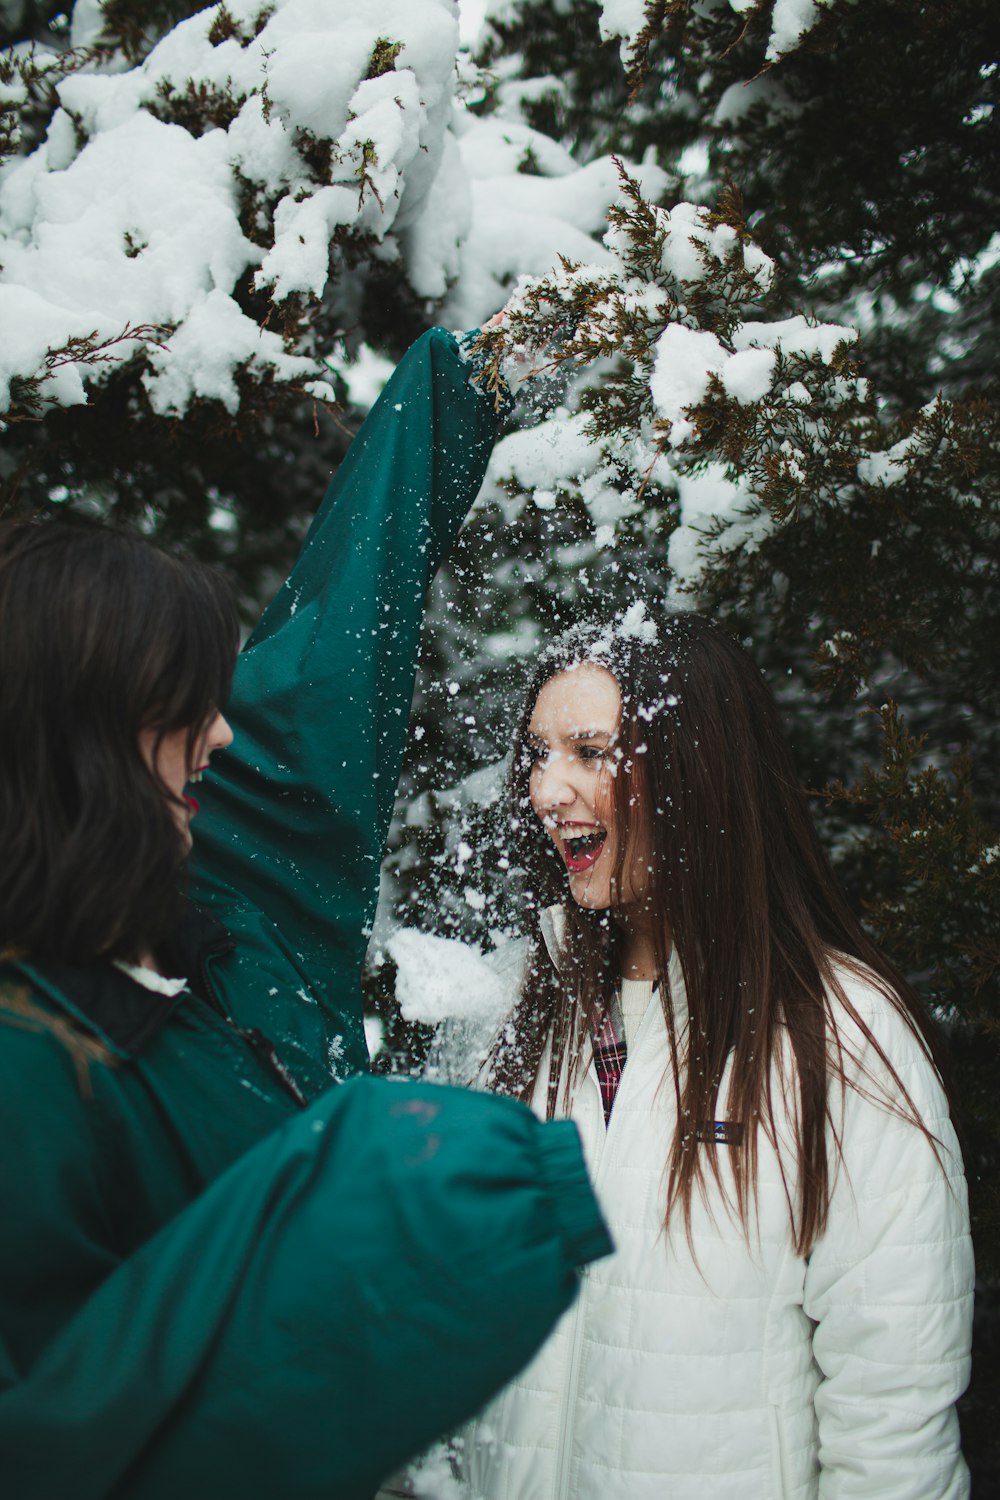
pixel 581 851
pixel 194 805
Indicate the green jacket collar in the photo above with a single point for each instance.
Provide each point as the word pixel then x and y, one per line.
pixel 124 1015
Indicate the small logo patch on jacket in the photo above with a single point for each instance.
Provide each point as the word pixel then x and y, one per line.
pixel 720 1133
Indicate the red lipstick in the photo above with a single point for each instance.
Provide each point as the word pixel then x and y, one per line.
pixel 581 850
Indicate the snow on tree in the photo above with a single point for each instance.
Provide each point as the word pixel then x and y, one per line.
pixel 211 222
pixel 249 140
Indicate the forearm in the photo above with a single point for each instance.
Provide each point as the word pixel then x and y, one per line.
pixel 354 1286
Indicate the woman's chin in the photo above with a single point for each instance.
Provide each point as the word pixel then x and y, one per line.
pixel 587 896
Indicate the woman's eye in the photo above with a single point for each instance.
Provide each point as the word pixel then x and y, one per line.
pixel 590 752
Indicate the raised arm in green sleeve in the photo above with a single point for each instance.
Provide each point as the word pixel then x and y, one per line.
pixel 295 815
pixel 355 1285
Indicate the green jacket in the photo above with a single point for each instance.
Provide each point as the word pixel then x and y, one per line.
pixel 221 1274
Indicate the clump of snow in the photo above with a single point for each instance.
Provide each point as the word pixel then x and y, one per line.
pixel 522 222
pixel 441 979
pixel 890 467
pixel 87 22
pixel 686 359
pixel 747 376
pixel 214 340
pixel 374 1035
pixel 790 20
pixel 32 326
pixel 624 19
pixel 795 336
pixel 432 1477
pixel 706 497
pixel 557 456
pixel 366 376
pixel 740 98
pixel 693 248
pixel 635 624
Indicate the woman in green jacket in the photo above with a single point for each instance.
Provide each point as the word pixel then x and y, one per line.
pixel 222 1274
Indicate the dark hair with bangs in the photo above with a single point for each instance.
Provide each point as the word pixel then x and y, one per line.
pixel 101 635
pixel 739 885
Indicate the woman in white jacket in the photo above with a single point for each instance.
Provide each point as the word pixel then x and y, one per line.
pixel 788 1310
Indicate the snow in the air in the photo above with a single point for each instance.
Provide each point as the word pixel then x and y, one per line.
pixel 635 623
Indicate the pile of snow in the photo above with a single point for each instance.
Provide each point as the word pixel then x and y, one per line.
pixel 705 499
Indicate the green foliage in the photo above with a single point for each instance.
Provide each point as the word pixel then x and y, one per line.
pixel 930 888
pixel 933 892
pixel 28 78
pixel 383 59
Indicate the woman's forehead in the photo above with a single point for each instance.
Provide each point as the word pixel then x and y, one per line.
pixel 581 697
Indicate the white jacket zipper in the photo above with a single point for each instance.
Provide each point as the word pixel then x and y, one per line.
pixel 568 1407
pixel 567 1412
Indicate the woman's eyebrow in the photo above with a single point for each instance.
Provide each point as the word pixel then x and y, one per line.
pixel 575 736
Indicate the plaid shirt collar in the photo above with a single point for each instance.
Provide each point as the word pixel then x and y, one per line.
pixel 610 1054
pixel 610 1050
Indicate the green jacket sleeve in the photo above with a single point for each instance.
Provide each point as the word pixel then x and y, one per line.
pixel 295 815
pixel 347 1291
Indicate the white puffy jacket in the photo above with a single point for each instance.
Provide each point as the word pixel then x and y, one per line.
pixel 750 1373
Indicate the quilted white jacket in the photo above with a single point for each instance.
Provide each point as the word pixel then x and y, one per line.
pixel 750 1373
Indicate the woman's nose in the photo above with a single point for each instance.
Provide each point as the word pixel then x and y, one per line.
pixel 220 734
pixel 553 787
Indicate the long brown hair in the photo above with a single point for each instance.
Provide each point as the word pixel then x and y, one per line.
pixel 101 635
pixel 741 888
